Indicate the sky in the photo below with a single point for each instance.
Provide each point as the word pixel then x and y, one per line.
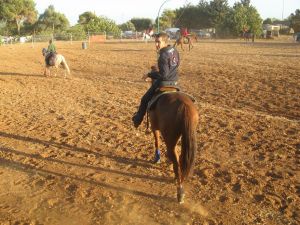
pixel 123 10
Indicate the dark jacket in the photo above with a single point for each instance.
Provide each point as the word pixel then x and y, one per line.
pixel 168 63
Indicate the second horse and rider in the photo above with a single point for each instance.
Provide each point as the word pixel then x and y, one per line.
pixel 51 52
pixel 52 59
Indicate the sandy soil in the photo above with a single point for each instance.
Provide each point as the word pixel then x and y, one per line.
pixel 70 155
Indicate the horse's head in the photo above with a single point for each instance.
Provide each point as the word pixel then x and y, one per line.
pixel 44 51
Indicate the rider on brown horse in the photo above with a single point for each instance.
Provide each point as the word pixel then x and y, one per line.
pixel 167 74
pixel 185 34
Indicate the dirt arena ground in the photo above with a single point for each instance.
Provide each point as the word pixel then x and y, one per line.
pixel 70 155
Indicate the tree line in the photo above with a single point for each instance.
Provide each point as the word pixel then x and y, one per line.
pixel 20 17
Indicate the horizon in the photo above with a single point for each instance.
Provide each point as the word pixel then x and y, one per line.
pixel 279 9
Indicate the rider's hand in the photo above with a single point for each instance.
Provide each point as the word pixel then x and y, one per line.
pixel 145 76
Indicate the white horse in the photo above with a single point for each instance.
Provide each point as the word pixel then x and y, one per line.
pixel 148 35
pixel 55 61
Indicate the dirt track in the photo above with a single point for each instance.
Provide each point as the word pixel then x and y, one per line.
pixel 70 155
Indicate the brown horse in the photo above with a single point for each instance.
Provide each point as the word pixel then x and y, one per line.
pixel 247 35
pixel 186 40
pixel 175 115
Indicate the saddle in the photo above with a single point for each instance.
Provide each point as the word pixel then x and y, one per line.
pixel 186 40
pixel 159 92
pixel 50 59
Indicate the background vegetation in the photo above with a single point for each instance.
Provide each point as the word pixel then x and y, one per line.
pixel 20 17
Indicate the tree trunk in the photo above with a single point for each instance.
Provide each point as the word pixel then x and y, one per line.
pixel 18 22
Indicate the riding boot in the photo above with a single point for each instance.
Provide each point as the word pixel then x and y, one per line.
pixel 139 115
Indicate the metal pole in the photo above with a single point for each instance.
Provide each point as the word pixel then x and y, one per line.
pixel 158 15
pixel 282 8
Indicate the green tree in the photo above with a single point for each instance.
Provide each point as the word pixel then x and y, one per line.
pixel 51 20
pixel 246 16
pixel 218 10
pixel 268 21
pixel 192 16
pixel 127 26
pixel 103 24
pixel 245 3
pixel 226 28
pixel 18 12
pixel 86 17
pixel 3 24
pixel 78 32
pixel 294 19
pixel 167 19
pixel 141 24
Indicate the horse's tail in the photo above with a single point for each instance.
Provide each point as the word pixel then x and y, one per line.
pixel 188 141
pixel 65 65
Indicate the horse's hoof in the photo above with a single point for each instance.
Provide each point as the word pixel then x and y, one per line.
pixel 180 195
pixel 180 198
pixel 156 161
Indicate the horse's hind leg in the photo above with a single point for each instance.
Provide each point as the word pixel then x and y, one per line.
pixel 175 44
pixel 157 143
pixel 55 71
pixel 173 156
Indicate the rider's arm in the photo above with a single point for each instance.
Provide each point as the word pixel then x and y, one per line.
pixel 163 66
pixel 154 75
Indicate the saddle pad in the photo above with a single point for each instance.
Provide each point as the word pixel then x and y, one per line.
pixel 51 61
pixel 168 89
pixel 152 102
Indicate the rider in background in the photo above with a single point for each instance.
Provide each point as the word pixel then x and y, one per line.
pixel 184 32
pixel 51 51
pixel 166 75
pixel 150 31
